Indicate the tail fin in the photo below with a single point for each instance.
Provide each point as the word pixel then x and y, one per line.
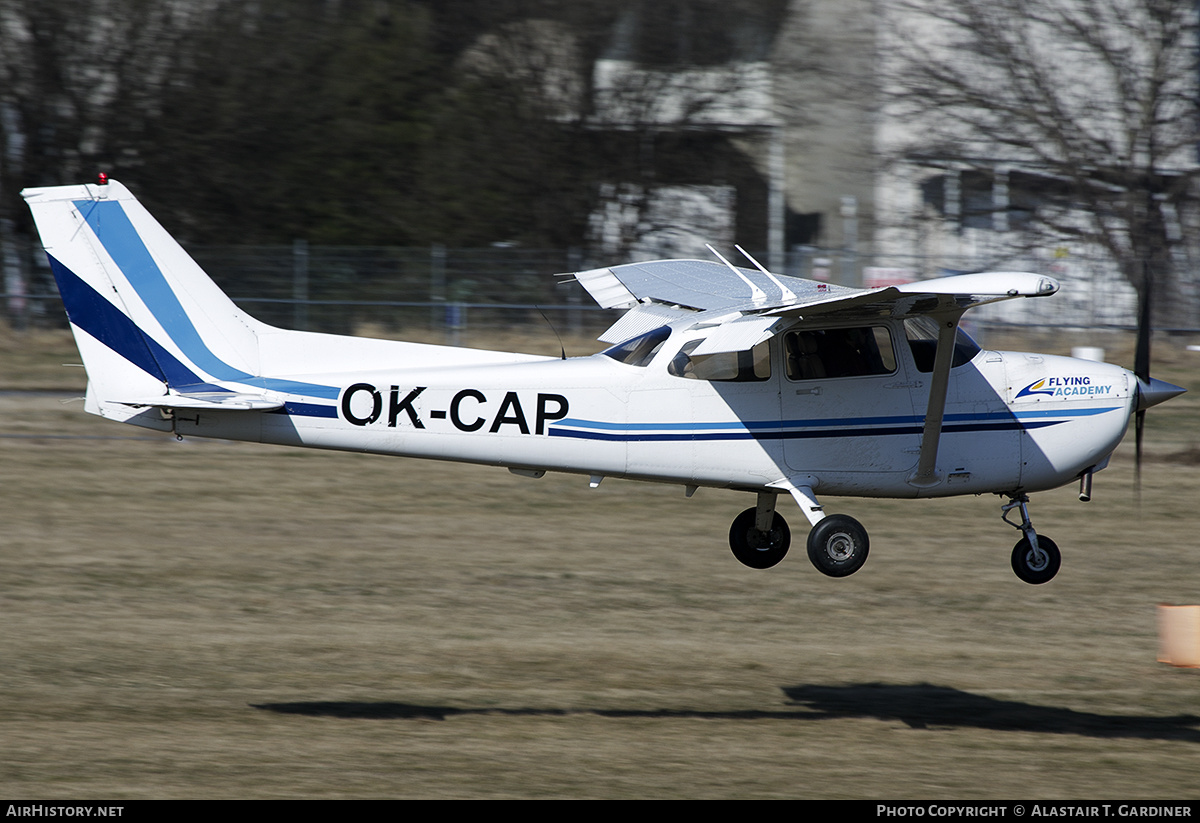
pixel 155 331
pixel 152 328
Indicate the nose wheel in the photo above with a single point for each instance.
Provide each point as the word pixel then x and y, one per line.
pixel 1035 558
pixel 1036 566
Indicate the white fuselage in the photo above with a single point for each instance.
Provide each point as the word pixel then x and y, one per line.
pixel 1012 421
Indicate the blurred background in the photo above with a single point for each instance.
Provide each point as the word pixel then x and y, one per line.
pixel 409 167
pixel 216 619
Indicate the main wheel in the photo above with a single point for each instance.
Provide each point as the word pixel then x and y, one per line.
pixel 759 549
pixel 1036 569
pixel 838 545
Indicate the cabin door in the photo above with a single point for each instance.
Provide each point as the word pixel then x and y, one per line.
pixel 846 401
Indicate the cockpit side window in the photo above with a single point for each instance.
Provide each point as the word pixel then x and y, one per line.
pixel 639 351
pixel 922 333
pixel 813 354
pixel 735 366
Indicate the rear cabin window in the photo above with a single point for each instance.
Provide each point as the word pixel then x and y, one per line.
pixel 640 350
pixel 735 366
pixel 814 354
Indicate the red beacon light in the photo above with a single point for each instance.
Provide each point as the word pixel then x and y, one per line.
pixel 103 179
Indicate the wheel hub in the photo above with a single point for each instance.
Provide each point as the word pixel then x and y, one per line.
pixel 840 546
pixel 1037 560
pixel 763 541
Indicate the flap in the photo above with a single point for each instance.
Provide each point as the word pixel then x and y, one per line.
pixel 641 319
pixel 738 335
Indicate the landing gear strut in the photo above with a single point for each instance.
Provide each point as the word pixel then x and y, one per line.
pixel 1035 558
pixel 837 543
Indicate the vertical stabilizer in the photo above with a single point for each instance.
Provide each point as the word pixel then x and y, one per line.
pixel 146 317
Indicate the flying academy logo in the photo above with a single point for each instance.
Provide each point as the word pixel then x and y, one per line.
pixel 1074 386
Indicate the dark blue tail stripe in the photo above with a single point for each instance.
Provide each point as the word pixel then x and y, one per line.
pixel 88 310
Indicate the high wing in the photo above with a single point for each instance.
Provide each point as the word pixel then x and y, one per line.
pixel 660 291
pixel 746 307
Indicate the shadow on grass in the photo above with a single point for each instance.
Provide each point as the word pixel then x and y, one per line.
pixel 920 707
pixel 924 706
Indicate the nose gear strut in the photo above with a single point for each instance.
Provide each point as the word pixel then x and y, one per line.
pixel 1035 559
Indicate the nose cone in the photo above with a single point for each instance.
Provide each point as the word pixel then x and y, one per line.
pixel 1154 391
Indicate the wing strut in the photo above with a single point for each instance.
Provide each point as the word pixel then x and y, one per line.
pixel 926 473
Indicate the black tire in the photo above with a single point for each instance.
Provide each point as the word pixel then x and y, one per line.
pixel 1025 567
pixel 838 545
pixel 759 549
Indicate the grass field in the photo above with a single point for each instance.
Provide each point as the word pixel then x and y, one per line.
pixel 220 620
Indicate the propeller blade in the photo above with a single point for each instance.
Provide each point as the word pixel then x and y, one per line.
pixel 1141 356
pixel 1150 392
pixel 1139 422
pixel 1141 368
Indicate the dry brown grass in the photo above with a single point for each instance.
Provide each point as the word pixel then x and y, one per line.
pixel 208 619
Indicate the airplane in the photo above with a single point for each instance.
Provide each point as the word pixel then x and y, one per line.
pixel 717 376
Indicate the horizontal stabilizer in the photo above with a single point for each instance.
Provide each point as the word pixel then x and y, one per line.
pixel 223 401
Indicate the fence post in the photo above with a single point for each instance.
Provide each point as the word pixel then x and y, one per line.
pixel 456 321
pixel 849 213
pixel 14 282
pixel 300 284
pixel 437 285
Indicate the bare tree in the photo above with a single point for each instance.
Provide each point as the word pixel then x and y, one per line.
pixel 70 71
pixel 1097 99
pixel 393 121
pixel 77 81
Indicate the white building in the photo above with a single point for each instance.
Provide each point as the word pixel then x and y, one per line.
pixel 783 125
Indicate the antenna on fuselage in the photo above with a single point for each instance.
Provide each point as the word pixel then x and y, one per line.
pixel 561 347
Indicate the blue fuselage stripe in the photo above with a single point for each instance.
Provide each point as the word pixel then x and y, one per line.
pixel 792 434
pixel 307 410
pixel 812 429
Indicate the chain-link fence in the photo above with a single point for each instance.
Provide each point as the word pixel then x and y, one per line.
pixel 447 294
pixel 391 290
